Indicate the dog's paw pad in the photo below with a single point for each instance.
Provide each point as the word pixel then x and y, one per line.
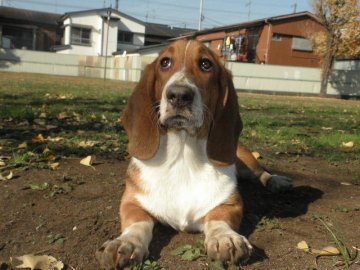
pixel 228 247
pixel 118 253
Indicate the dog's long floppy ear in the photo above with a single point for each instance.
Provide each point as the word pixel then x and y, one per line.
pixel 139 118
pixel 226 126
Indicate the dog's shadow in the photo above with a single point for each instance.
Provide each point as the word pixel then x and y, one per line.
pixel 259 203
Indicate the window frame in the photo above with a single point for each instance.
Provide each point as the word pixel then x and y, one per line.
pixel 82 41
pixel 123 34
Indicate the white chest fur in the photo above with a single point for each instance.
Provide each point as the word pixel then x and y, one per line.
pixel 180 183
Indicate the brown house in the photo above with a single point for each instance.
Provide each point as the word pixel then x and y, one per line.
pixel 28 29
pixel 280 40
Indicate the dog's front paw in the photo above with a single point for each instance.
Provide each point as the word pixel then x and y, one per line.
pixel 229 246
pixel 278 183
pixel 119 253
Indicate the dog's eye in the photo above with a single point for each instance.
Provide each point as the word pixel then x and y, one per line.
pixel 205 65
pixel 165 63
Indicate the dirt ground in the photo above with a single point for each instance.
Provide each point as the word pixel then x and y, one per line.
pixel 73 222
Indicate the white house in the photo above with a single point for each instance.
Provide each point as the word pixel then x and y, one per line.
pixel 100 32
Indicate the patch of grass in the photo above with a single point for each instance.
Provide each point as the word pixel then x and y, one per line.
pixel 302 126
pixel 268 224
pixel 189 252
pixel 148 265
pixel 347 257
pixel 31 104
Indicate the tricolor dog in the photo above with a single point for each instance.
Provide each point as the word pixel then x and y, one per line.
pixel 183 125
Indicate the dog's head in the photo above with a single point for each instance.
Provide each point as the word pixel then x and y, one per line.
pixel 186 88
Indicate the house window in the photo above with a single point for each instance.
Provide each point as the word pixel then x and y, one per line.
pixel 80 35
pixel 302 44
pixel 125 37
pixel 276 37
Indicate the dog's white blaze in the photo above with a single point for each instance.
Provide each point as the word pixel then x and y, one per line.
pixel 196 107
pixel 180 184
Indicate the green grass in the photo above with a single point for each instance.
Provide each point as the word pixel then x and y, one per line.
pixel 304 126
pixel 30 105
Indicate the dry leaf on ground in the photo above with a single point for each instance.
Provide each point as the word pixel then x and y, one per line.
pixel 22 145
pixel 39 262
pixel 8 177
pixel 326 251
pixel 256 155
pixel 54 166
pixel 88 161
pixel 38 138
pixel 63 116
pixel 54 139
pixel 88 143
pixel 303 246
pixel 347 144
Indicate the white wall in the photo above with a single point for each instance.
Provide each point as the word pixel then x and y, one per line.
pixel 345 80
pixel 98 36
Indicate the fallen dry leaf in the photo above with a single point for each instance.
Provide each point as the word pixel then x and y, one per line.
pixel 347 144
pixel 55 139
pixel 329 251
pixel 38 138
pixel 88 161
pixel 54 166
pixel 63 116
pixel 22 145
pixel 8 177
pixel 326 251
pixel 40 122
pixel 302 245
pixel 86 144
pixel 295 141
pixel 50 127
pixel 43 262
pixel 346 184
pixel 256 155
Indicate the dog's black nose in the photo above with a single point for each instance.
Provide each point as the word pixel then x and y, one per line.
pixel 180 96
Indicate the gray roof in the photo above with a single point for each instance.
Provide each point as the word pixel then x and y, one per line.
pixel 162 30
pixel 257 22
pixel 28 16
pixel 101 10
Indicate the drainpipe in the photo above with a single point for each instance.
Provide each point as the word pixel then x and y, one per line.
pixel 269 35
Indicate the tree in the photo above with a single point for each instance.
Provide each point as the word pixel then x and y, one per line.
pixel 341 38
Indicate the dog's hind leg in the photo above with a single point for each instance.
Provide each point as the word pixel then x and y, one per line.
pixel 248 167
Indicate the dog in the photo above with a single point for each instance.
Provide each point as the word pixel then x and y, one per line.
pixel 183 125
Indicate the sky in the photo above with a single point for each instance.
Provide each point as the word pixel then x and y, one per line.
pixel 177 13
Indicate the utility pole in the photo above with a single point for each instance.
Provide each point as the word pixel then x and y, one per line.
pixel 107 40
pixel 248 4
pixel 295 6
pixel 201 16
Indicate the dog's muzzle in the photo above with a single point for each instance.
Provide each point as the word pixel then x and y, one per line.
pixel 179 112
pixel 179 96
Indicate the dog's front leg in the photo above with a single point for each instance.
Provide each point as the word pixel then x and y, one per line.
pixel 131 247
pixel 222 240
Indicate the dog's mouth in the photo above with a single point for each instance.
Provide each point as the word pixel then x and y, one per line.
pixel 177 122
